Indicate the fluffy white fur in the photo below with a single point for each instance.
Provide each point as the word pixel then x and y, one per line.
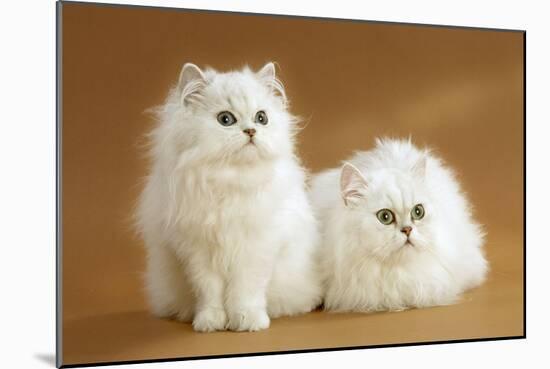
pixel 368 266
pixel 227 225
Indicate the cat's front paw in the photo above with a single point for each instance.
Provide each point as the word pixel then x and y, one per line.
pixel 210 320
pixel 248 320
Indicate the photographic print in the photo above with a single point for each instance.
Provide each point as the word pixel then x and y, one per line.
pixel 240 184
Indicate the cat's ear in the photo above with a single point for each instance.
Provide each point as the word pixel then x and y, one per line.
pixel 267 74
pixel 191 80
pixel 419 168
pixel 352 184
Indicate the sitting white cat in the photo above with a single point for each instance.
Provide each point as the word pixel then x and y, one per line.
pixel 397 231
pixel 228 228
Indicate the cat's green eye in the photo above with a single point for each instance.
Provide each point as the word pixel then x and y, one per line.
pixel 261 117
pixel 225 118
pixel 385 216
pixel 417 212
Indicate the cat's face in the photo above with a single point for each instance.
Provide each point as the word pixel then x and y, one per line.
pixel 236 117
pixel 393 210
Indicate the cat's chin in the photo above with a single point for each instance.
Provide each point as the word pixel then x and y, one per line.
pixel 404 251
pixel 250 153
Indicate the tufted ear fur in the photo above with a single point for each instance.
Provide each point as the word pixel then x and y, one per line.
pixel 191 80
pixel 352 184
pixel 268 76
pixel 267 72
pixel 420 167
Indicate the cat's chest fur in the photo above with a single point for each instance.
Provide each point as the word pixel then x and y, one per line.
pixel 226 207
pixel 417 282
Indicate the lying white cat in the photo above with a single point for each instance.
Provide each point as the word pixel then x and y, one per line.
pixel 224 214
pixel 397 231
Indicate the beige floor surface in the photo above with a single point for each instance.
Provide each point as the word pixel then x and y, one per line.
pixel 493 310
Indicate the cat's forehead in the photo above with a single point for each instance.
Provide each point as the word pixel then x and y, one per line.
pixel 395 189
pixel 237 88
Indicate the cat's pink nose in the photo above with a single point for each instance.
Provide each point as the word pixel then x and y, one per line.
pixel 250 131
pixel 407 230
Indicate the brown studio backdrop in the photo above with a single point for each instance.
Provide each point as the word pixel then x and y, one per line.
pixel 459 91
